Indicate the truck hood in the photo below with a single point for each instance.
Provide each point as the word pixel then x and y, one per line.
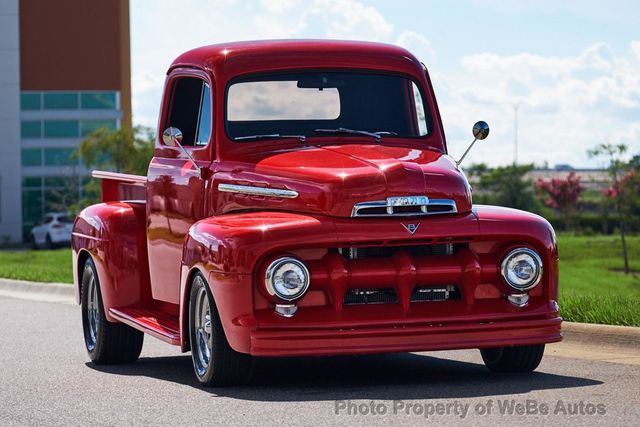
pixel 331 179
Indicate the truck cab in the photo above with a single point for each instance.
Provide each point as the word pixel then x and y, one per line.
pixel 301 201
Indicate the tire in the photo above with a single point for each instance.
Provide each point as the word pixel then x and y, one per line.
pixel 107 343
pixel 34 244
pixel 524 358
pixel 215 363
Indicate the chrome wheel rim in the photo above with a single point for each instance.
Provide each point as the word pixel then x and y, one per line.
pixel 93 313
pixel 203 336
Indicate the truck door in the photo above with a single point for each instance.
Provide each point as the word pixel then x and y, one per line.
pixel 175 187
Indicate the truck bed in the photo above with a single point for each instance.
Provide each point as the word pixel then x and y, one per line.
pixel 122 186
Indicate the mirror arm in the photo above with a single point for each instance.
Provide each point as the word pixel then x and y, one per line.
pixel 465 153
pixel 190 157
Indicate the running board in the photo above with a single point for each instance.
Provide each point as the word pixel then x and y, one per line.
pixel 154 323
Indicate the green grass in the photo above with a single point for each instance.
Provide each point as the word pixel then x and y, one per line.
pixel 590 290
pixel 37 266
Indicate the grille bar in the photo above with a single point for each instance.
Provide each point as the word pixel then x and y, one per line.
pixel 388 251
pixel 402 271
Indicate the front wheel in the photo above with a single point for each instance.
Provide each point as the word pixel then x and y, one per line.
pixel 214 361
pixel 107 343
pixel 524 358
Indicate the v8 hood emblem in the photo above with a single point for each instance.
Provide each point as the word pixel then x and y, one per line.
pixel 411 228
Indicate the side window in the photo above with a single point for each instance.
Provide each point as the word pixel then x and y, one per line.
pixel 190 111
pixel 421 116
pixel 47 219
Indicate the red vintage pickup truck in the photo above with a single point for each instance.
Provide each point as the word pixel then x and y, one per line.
pixel 301 201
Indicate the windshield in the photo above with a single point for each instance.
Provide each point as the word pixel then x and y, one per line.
pixel 324 103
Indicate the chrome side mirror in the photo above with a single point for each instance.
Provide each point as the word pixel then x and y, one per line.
pixel 173 138
pixel 480 131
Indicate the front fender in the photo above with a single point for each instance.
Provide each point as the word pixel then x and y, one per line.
pixel 506 224
pixel 226 249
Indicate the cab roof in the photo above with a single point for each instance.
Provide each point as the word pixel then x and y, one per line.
pixel 241 57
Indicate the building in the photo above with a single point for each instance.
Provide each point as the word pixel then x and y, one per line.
pixel 591 179
pixel 64 72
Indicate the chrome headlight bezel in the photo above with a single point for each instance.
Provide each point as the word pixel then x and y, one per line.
pixel 271 273
pixel 538 262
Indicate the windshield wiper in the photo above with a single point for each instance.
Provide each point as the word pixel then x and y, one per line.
pixel 376 135
pixel 301 138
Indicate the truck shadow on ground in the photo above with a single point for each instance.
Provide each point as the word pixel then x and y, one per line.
pixel 378 377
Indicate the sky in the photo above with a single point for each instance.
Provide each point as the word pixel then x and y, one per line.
pixel 572 68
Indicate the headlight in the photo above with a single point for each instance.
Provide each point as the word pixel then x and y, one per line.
pixel 522 269
pixel 287 278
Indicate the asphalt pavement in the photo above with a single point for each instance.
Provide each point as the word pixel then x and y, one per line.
pixel 46 379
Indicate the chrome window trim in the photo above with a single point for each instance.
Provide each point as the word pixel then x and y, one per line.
pixel 389 206
pixel 257 191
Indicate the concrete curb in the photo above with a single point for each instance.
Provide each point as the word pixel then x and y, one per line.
pixel 601 335
pixel 51 292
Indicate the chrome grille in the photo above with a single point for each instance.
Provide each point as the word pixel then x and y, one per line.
pixel 404 206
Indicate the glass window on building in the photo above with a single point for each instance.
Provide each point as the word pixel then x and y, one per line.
pixel 60 128
pixel 32 209
pixel 31 129
pixel 31 157
pixel 30 101
pixel 88 126
pixel 98 100
pixel 56 181
pixel 61 101
pixel 59 157
pixel 31 182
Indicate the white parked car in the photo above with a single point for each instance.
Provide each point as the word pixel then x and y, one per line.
pixel 54 229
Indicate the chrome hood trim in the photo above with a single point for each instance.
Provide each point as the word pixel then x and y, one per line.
pixel 257 191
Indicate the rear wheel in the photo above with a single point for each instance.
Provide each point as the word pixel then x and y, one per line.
pixel 107 343
pixel 34 244
pixel 214 361
pixel 524 358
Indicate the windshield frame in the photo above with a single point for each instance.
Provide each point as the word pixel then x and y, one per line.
pixel 429 115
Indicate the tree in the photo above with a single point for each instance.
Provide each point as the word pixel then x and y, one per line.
pixel 506 186
pixel 617 191
pixel 562 194
pixel 124 150
pixel 66 194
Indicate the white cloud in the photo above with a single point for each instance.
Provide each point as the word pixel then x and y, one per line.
pixel 417 44
pixel 567 104
pixel 154 45
pixel 336 19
